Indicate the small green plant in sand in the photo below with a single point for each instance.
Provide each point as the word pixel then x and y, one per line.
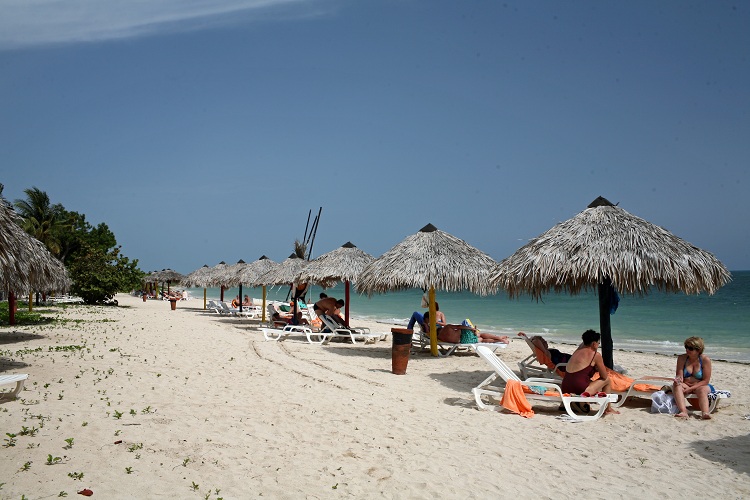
pixel 118 415
pixel 25 431
pixel 133 413
pixel 135 446
pixel 146 410
pixel 70 443
pixel 129 470
pixel 194 486
pixel 185 462
pixel 62 494
pixel 117 432
pixel 10 440
pixel 26 466
pixel 84 424
pixel 76 476
pixel 53 460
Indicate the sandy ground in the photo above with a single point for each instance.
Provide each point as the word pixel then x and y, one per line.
pixel 144 402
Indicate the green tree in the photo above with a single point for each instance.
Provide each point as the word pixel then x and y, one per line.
pixel 98 274
pixel 41 219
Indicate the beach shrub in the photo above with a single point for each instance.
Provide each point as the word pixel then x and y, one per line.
pixel 99 274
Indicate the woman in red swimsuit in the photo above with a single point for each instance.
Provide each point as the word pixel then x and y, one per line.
pixel 583 364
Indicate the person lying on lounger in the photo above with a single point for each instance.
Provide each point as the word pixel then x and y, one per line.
pixel 554 355
pixel 461 334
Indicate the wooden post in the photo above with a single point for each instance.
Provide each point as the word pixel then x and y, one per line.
pixel 31 299
pixel 11 308
pixel 263 313
pixel 433 323
pixel 204 298
pixel 346 306
pixel 604 323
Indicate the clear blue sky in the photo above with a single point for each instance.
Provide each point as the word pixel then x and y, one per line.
pixel 202 131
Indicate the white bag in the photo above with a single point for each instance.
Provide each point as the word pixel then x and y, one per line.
pixel 662 402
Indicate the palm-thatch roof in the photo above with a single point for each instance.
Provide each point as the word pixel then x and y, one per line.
pixel 283 273
pixel 606 242
pixel 216 274
pixel 607 248
pixel 197 278
pixel 230 275
pixel 250 272
pixel 169 275
pixel 429 258
pixel 343 264
pixel 25 263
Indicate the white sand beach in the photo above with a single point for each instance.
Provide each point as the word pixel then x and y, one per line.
pixel 184 404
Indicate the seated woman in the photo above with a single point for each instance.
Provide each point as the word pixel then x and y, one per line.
pixel 582 365
pixel 693 377
pixel 461 334
pixel 247 301
pixel 236 302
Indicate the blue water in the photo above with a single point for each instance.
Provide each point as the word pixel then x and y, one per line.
pixel 657 322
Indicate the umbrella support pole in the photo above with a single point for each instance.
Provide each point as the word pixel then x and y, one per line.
pixel 604 323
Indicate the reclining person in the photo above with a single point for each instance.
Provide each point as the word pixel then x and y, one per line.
pixel 460 334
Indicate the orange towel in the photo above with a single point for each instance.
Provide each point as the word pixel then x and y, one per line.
pixel 514 399
pixel 621 383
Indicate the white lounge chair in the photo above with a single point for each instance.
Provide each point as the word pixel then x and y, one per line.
pixel 13 378
pixel 501 370
pixel 713 398
pixel 279 334
pixel 422 341
pixel 334 329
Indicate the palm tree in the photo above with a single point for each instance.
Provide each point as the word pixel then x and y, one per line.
pixel 41 219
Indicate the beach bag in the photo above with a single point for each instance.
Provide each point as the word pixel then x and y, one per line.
pixel 468 336
pixel 662 402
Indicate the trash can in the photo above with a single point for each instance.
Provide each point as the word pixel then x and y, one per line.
pixel 144 296
pixel 400 350
pixel 173 303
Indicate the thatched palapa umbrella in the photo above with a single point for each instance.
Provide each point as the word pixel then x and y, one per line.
pixel 250 273
pixel 607 248
pixel 216 277
pixel 25 263
pixel 168 276
pixel 345 264
pixel 283 273
pixel 430 259
pixel 199 279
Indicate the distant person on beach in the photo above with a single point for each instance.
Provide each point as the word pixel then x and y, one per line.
pixel 582 365
pixel 330 307
pixel 236 301
pixel 461 334
pixel 247 301
pixel 693 377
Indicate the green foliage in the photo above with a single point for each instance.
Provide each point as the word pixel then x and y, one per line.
pixel 99 274
pixel 91 254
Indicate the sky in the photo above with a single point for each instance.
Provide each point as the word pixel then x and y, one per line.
pixel 206 131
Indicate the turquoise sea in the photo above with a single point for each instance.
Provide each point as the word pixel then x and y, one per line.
pixel 657 322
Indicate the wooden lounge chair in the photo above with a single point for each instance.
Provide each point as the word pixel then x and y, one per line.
pixel 552 391
pixel 14 378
